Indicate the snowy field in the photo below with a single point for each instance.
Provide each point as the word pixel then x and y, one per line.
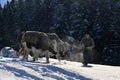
pixel 16 69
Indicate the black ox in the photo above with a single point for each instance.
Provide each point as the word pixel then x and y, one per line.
pixel 40 43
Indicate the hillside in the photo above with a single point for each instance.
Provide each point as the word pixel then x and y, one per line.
pixel 17 69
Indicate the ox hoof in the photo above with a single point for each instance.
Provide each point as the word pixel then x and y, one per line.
pixel 48 62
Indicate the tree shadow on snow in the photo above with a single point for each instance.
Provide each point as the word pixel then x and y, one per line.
pixel 67 73
pixel 47 70
pixel 21 73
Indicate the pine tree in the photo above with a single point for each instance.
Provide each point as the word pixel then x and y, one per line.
pixel 67 12
pixel 8 22
pixel 46 15
pixel 28 14
pixel 1 25
pixel 77 28
pixel 1 20
pixel 20 21
pixel 37 21
pixel 57 15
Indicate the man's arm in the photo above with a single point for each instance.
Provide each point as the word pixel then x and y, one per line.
pixel 92 46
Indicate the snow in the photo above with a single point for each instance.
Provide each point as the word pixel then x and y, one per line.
pixel 17 69
pixel 96 72
pixel 7 52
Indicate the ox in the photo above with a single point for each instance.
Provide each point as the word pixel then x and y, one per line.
pixel 63 48
pixel 40 43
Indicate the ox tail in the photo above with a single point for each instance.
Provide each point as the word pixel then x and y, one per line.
pixel 19 39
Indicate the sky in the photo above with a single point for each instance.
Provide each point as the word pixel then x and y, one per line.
pixel 2 2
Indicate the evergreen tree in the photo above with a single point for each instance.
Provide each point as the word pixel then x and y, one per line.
pixel 1 26
pixel 20 22
pixel 1 20
pixel 28 14
pixel 38 12
pixel 46 15
pixel 57 17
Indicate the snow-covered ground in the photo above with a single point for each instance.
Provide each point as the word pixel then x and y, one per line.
pixel 16 69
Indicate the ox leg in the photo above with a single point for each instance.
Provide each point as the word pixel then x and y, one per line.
pixel 36 53
pixel 58 57
pixel 47 60
pixel 20 52
pixel 47 56
pixel 35 58
pixel 24 54
pixel 26 51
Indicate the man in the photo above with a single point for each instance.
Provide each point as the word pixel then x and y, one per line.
pixel 88 43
